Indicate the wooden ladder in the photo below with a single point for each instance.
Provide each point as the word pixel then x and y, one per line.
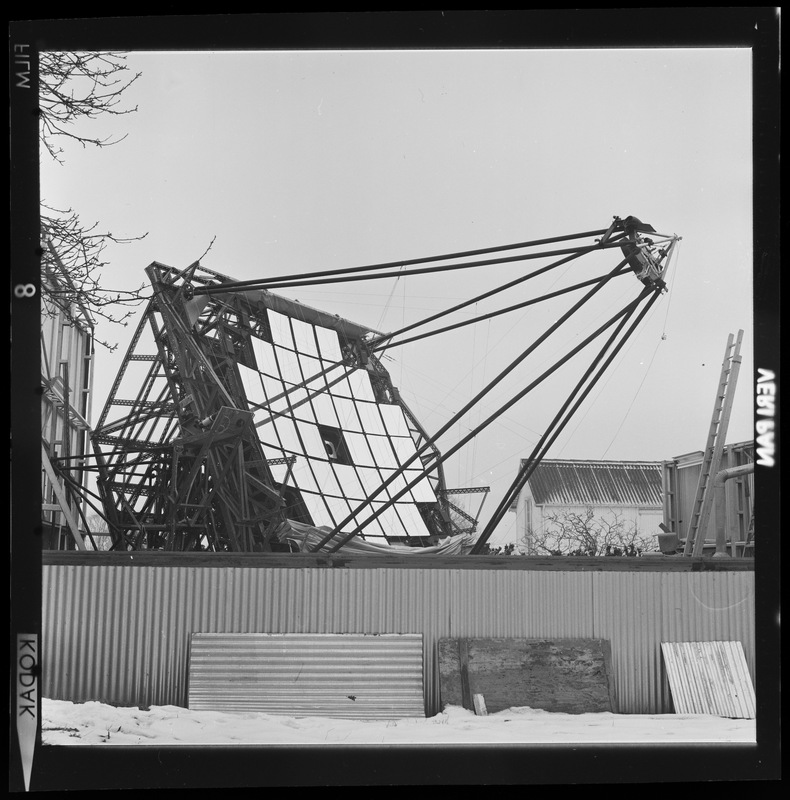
pixel 703 501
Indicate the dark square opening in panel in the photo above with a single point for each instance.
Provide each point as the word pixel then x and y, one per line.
pixel 335 444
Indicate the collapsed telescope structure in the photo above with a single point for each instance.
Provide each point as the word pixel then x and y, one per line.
pixel 256 418
pixel 244 421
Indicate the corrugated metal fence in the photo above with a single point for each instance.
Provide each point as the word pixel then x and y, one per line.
pixel 116 627
pixel 349 675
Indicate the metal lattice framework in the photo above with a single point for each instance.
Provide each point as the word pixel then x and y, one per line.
pixel 238 414
pixel 190 461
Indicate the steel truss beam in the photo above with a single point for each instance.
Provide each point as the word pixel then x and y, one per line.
pixel 209 486
pixel 183 468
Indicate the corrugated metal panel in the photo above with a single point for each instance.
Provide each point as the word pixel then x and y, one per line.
pixel 709 678
pixel 351 676
pixel 624 608
pixel 120 634
pixel 708 607
pixel 631 483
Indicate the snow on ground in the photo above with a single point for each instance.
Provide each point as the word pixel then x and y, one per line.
pixel 94 723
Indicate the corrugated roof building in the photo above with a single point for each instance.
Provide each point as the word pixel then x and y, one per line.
pixel 622 495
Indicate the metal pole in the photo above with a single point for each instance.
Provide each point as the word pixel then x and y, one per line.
pixel 484 296
pixel 720 495
pixel 498 379
pixel 465 439
pixel 493 314
pixel 279 283
pixel 532 462
pixel 235 285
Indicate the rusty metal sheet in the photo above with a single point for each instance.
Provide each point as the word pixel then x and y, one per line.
pixel 572 676
pixel 350 676
pixel 709 678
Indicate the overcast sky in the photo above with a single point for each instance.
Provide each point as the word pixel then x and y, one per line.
pixel 300 161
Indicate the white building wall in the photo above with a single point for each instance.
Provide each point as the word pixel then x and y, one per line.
pixel 530 517
pixel 66 351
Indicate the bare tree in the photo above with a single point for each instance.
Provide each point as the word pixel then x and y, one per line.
pixel 79 85
pixel 75 87
pixel 72 266
pixel 569 533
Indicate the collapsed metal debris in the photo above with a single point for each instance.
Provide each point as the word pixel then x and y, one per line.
pixel 238 413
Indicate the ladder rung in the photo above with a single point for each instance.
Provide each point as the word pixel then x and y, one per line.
pixel 718 424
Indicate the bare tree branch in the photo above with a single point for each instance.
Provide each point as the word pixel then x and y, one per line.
pixel 71 272
pixel 74 86
pixel 205 252
pixel 570 533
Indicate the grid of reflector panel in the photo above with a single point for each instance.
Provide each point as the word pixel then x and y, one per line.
pixel 346 444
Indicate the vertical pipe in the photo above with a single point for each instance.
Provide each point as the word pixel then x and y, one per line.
pixel 720 499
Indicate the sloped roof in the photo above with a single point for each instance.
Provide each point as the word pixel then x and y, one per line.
pixel 622 483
